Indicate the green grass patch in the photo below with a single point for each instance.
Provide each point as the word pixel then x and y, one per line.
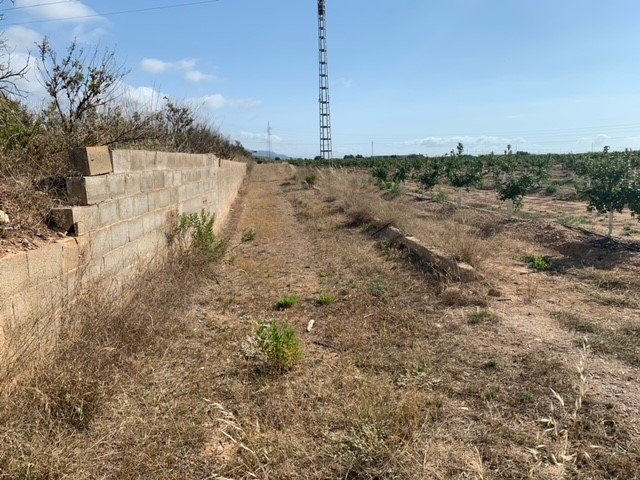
pixel 481 316
pixel 286 302
pixel 325 299
pixel 572 220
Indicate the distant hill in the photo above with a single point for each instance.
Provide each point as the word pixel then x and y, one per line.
pixel 265 154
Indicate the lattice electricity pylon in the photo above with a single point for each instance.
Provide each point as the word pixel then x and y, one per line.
pixel 325 111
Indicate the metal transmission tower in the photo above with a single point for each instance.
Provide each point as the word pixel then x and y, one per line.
pixel 269 139
pixel 325 112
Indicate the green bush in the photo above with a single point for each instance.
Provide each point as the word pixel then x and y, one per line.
pixel 440 196
pixel 539 263
pixel 195 231
pixel 280 345
pixel 286 302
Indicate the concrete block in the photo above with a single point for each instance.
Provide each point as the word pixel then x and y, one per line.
pixel 119 234
pixel 91 161
pixel 14 275
pixel 159 199
pixel 70 255
pixel 116 184
pixel 45 263
pixel 136 227
pixel 140 204
pixel 101 242
pixel 120 258
pixel 146 181
pixel 108 213
pixel 121 161
pixel 87 190
pixel 162 160
pixel 158 179
pixel 143 160
pixel 132 183
pixel 126 208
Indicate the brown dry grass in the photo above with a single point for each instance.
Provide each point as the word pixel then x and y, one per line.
pixel 53 393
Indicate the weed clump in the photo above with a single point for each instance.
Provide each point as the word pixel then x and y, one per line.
pixel 286 302
pixel 195 232
pixel 325 299
pixel 539 263
pixel 279 345
pixel 481 316
pixel 378 289
pixel 249 234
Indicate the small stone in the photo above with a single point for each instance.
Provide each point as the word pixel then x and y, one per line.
pixel 4 218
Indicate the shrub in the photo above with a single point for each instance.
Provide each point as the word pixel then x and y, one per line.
pixel 539 263
pixel 310 180
pixel 249 234
pixel 280 345
pixel 325 299
pixel 195 231
pixel 286 302
pixel 395 189
pixel 492 363
pixel 440 196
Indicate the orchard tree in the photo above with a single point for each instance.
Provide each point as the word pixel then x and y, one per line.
pixel 429 174
pixel 613 184
pixel 463 171
pixel 516 175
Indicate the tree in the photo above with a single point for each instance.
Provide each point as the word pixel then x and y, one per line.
pixel 429 173
pixel 515 176
pixel 613 184
pixel 180 120
pixel 463 171
pixel 78 83
pixel 9 76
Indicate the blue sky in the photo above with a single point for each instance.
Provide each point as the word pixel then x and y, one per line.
pixel 413 76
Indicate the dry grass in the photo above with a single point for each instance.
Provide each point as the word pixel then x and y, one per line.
pixel 51 402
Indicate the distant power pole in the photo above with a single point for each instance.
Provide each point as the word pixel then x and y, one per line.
pixel 371 149
pixel 269 139
pixel 325 111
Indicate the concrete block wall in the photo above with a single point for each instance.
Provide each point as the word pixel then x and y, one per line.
pixel 122 209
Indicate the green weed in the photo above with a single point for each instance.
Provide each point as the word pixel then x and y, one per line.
pixel 539 263
pixel 481 316
pixel 325 299
pixel 492 363
pixel 286 302
pixel 249 234
pixel 572 220
pixel 378 289
pixel 440 196
pixel 195 231
pixel 280 345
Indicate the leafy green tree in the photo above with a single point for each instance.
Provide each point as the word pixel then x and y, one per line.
pixel 402 172
pixel 613 184
pixel 381 172
pixel 463 171
pixel 429 173
pixel 517 175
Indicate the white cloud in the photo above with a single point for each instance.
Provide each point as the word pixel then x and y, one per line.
pixel 21 39
pixel 468 141
pixel 142 98
pixel 218 101
pixel 196 76
pixel 261 137
pixel 153 65
pixel 58 11
pixel 187 65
